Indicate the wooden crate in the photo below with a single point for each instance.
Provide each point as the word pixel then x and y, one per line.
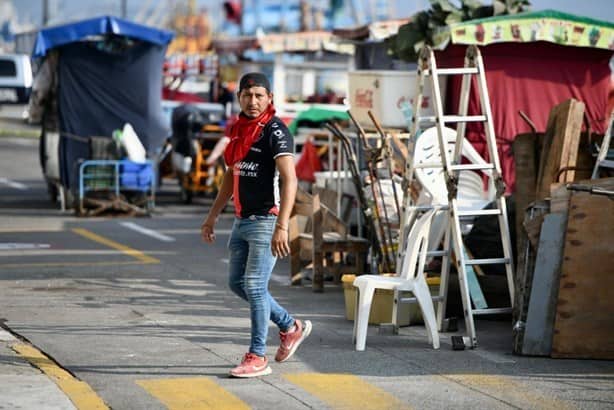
pixel 584 319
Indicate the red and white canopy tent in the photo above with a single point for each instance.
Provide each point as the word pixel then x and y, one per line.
pixel 533 61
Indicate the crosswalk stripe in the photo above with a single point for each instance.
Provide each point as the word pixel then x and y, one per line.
pixel 196 393
pixel 148 232
pixel 506 389
pixel 13 184
pixel 344 391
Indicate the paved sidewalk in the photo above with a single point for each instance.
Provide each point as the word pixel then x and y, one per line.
pixel 12 123
pixel 23 386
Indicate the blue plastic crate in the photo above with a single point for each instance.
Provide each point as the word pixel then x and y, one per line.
pixel 136 176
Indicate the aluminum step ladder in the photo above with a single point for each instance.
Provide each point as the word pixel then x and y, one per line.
pixel 451 166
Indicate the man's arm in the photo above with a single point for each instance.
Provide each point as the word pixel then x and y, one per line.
pixel 223 195
pixel 279 243
pixel 218 150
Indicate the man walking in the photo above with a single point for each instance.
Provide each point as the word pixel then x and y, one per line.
pixel 260 151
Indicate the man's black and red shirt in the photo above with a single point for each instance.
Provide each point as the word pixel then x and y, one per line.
pixel 256 179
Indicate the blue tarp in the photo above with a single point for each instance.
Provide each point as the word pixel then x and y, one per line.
pixel 53 37
pixel 100 91
pixel 104 84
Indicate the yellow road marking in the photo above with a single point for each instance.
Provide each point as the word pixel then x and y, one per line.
pixel 196 393
pixel 80 393
pixel 508 390
pixel 115 245
pixel 344 391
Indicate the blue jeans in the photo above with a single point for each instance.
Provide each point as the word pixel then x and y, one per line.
pixel 251 264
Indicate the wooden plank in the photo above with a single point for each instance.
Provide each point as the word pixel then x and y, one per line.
pixel 475 291
pixel 547 142
pixel 571 141
pixel 545 287
pixel 317 254
pixel 560 146
pixel 524 147
pixel 585 160
pixel 585 308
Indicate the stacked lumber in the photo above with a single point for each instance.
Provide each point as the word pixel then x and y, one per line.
pixel 564 306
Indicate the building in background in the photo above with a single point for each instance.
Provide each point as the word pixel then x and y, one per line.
pixel 289 40
pixel 10 24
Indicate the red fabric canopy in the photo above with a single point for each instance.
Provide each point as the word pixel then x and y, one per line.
pixel 176 95
pixel 532 77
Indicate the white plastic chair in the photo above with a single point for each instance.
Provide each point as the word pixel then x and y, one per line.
pixel 412 279
pixel 471 193
pixel 427 152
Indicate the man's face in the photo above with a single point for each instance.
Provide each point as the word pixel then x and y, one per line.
pixel 254 101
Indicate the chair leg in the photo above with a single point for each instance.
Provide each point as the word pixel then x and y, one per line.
pixel 318 270
pixel 295 266
pixel 361 261
pixel 356 302
pixel 423 295
pixel 361 319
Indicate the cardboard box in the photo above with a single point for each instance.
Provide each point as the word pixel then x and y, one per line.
pixel 382 92
pixel 381 308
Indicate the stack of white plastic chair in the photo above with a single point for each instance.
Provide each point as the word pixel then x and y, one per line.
pixel 132 144
pixel 411 278
pixel 471 192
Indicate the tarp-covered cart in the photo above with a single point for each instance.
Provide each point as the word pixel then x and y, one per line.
pixel 197 142
pixel 95 76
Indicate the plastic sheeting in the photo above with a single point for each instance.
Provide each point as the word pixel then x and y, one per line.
pixel 100 91
pixel 53 37
pixel 532 77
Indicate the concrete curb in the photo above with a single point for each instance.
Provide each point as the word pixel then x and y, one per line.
pixel 29 379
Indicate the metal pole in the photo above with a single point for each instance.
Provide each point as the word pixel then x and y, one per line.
pixel 124 8
pixel 45 12
pixel 241 25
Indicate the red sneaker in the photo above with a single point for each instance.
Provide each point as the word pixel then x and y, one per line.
pixel 290 341
pixel 251 366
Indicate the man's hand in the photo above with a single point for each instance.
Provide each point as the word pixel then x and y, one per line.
pixel 207 233
pixel 279 243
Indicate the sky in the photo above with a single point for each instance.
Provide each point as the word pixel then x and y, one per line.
pixel 598 9
pixel 30 10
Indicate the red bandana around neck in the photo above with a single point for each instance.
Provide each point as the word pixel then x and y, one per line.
pixel 244 133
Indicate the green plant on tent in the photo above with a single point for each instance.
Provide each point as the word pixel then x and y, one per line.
pixel 425 24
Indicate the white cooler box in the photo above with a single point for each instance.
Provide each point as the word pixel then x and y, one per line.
pixel 383 91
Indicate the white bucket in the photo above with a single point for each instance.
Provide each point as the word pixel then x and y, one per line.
pixel 131 143
pixel 181 163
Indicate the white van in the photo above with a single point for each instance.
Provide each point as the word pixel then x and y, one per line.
pixel 15 78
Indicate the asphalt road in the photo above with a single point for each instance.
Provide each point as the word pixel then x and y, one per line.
pixel 138 309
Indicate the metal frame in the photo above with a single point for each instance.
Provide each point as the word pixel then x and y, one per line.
pixel 115 186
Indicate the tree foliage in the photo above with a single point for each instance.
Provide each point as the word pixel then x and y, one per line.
pixel 412 36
